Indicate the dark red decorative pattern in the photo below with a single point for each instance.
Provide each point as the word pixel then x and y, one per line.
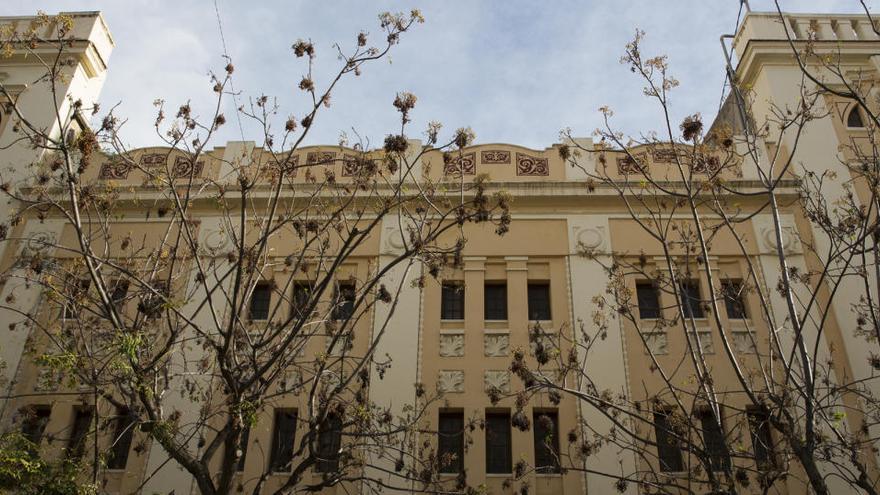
pixel 626 165
pixel 707 164
pixel 663 155
pixel 495 157
pixel 320 158
pixel 150 160
pixel 530 165
pixel 465 164
pixel 183 167
pixel 114 170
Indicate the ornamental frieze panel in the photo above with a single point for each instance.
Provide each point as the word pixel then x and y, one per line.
pixel 153 160
pixel 465 164
pixel 496 345
pixel 626 165
pixel 183 167
pixel 495 157
pixel 452 345
pixel 114 170
pixel 320 158
pixel 530 165
pixel 663 155
pixel 497 380
pixel 450 381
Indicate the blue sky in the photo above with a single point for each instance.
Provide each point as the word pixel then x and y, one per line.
pixel 515 71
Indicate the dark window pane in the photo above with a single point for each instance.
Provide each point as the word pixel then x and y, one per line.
pixel 260 301
pixel 243 445
pixel 123 431
pixel 78 289
pixel 495 304
pixel 302 293
pixel 546 428
pixel 733 299
pixel 34 421
pixel 539 301
pixel 79 431
pixel 452 302
pixel 151 304
pixel 762 440
pixel 649 302
pixel 117 296
pixel 450 443
pixel 343 305
pixel 668 446
pixel 498 447
pixel 854 119
pixel 282 439
pixel 690 299
pixel 329 443
pixel 713 441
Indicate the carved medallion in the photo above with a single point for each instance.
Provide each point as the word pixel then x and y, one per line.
pixel 495 157
pixel 450 381
pixel 464 164
pixel 530 165
pixel 451 345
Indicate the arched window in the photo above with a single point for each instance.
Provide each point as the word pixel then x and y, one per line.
pixel 854 119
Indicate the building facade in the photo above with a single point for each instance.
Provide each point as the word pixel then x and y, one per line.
pixel 459 334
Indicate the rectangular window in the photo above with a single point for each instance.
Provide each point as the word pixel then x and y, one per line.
pixel 539 301
pixel 452 301
pixel 302 294
pixel 713 440
pixel 329 443
pixel 648 299
pixel 243 445
pixel 499 458
pixel 762 440
pixel 690 299
pixel 34 421
pixel 79 432
pixel 121 442
pixel 343 301
pixel 450 442
pixel 261 299
pixel 151 304
pixel 732 290
pixel 546 428
pixel 78 291
pixel 283 432
pixel 668 445
pixel 495 301
pixel 118 294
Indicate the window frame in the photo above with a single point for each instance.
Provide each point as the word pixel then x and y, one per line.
pixel 452 301
pixel 300 287
pixel 34 424
pixel 665 444
pixel 651 287
pixel 499 450
pixel 714 439
pixel 264 287
pixel 758 420
pixel 83 417
pixel 329 444
pixel 450 441
pixel 541 445
pixel 498 306
pixel 283 450
pixel 691 307
pixel 732 291
pixel 123 436
pixel 343 307
pixel 548 300
pixel 855 110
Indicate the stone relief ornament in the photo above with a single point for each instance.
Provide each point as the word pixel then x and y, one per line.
pixel 216 240
pixel 153 160
pixel 495 157
pixel 183 167
pixel 451 345
pixel 465 164
pixel 530 165
pixel 350 166
pixel 114 170
pixel 656 343
pixel 626 165
pixel 705 341
pixel 450 381
pixel 789 237
pixel 499 380
pixel 496 345
pixel 590 237
pixel 40 241
pixel 743 343
pixel 320 158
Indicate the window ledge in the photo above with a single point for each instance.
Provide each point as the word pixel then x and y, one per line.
pixel 499 475
pixel 496 331
pixel 451 321
pixel 548 475
pixel 451 331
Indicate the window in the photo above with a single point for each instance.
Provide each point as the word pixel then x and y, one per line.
pixel 495 301
pixel 82 423
pixel 122 434
pixel 329 443
pixel 762 440
pixel 154 300
pixel 668 446
pixel 77 293
pixel 546 428
pixel 450 442
pixel 302 294
pixel 498 446
pixel 282 439
pixel 118 293
pixel 243 445
pixel 854 119
pixel 713 440
pixel 452 302
pixel 343 301
pixel 733 299
pixel 539 301
pixel 690 299
pixel 261 298
pixel 33 424
pixel 649 302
